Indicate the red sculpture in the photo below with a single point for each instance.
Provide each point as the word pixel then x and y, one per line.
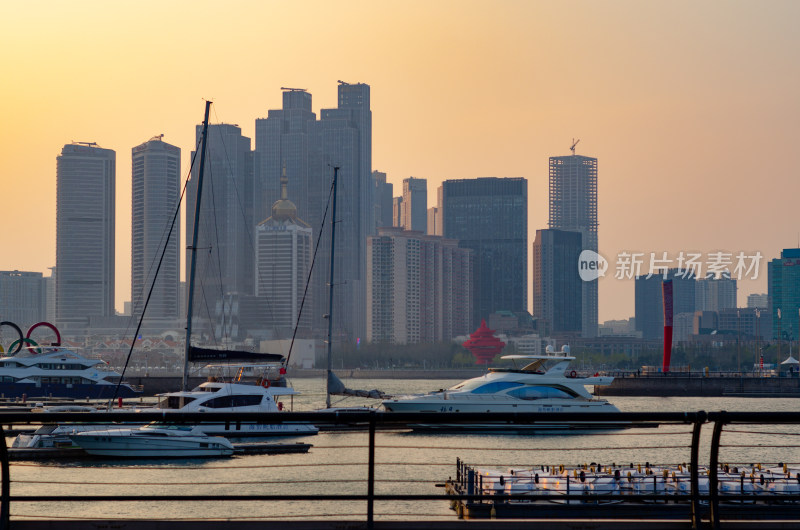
pixel 483 344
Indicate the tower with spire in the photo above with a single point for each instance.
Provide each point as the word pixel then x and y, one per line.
pixel 283 261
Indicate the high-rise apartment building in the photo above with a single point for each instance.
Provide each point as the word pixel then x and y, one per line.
pixel 415 204
pixel 226 232
pixel 573 206
pixel 650 300
pixel 23 298
pixel 490 216
pixel 418 288
pixel 156 181
pixel 283 261
pixel 85 223
pixel 715 293
pixel 397 212
pixel 557 289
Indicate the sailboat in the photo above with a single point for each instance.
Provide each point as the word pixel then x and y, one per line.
pixel 220 396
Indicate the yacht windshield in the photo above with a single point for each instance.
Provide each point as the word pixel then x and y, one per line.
pixel 174 402
pixel 479 386
pixel 541 392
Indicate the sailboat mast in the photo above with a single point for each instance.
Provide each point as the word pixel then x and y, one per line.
pixel 185 380
pixel 330 294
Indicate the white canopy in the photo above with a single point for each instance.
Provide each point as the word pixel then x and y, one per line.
pixel 791 360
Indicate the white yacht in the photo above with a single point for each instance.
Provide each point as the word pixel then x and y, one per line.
pixel 153 441
pixel 43 371
pixel 542 385
pixel 215 397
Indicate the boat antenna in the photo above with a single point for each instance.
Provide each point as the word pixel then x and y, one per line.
pixel 329 316
pixel 193 248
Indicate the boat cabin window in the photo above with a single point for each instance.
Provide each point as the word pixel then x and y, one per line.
pixel 540 392
pixel 495 387
pixel 174 402
pixel 225 402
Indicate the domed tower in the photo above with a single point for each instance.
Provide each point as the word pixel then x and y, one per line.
pixel 483 344
pixel 283 261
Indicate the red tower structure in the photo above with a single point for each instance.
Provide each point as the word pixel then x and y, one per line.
pixel 483 344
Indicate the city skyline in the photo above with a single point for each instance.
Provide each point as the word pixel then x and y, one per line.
pixel 684 116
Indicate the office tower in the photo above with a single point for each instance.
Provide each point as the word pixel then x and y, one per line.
pixel 418 288
pixel 383 200
pixel 490 216
pixel 86 186
pixel 397 212
pixel 650 305
pixel 715 293
pixel 156 182
pixel 784 295
pixel 434 221
pixel 225 256
pixel 283 140
pixel 573 206
pixel 343 139
pixel 283 261
pixel 758 300
pixel 557 286
pixel 311 148
pixel 23 298
pixel 415 204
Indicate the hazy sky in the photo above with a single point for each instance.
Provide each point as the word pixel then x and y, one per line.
pixel 692 108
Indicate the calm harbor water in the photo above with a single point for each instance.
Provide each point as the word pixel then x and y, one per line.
pixel 407 462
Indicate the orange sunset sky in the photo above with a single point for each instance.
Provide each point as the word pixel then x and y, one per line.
pixel 692 108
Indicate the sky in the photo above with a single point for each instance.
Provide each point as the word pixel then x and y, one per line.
pixel 691 108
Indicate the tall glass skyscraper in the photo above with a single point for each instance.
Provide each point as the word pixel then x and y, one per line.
pixel 784 294
pixel 85 194
pixel 226 245
pixel 573 207
pixel 156 167
pixel 556 281
pixel 490 216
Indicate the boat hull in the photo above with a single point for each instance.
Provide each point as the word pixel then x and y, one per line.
pixel 75 391
pixel 150 447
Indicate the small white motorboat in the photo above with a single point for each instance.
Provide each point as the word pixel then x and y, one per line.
pixel 153 441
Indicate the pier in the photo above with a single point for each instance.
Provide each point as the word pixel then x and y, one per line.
pixel 701 384
pixel 385 478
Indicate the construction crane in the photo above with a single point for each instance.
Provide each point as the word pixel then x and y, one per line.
pixel 293 89
pixel 574 143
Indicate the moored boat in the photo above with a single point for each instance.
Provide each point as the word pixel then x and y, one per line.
pixel 153 441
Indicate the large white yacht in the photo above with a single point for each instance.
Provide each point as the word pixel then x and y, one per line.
pixel 542 385
pixel 43 371
pixel 215 397
pixel 153 441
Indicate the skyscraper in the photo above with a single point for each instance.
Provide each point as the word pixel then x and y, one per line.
pixel 383 200
pixel 156 167
pixel 86 186
pixel 225 257
pixel 311 148
pixel 573 206
pixel 490 216
pixel 784 294
pixel 556 282
pixel 715 293
pixel 415 204
pixel 283 261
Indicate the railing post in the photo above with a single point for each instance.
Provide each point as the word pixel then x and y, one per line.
pixel 5 490
pixel 694 478
pixel 713 466
pixel 371 475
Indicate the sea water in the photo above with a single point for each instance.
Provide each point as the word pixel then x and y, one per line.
pixel 407 463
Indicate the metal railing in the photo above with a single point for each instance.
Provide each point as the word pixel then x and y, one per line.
pixel 702 506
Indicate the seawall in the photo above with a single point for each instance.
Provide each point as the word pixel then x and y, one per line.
pixel 699 385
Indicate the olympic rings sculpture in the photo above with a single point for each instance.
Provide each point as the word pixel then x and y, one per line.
pixel 26 339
